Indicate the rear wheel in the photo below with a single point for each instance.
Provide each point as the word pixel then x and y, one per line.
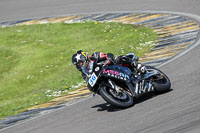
pixel 163 84
pixel 121 99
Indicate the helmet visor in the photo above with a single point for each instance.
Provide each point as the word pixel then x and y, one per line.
pixel 79 64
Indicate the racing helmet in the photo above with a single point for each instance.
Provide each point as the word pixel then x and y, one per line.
pixel 79 59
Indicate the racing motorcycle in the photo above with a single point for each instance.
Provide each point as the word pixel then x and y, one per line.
pixel 119 86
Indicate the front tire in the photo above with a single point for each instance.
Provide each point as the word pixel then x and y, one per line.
pixel 108 97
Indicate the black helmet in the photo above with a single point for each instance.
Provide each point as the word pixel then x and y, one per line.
pixel 79 59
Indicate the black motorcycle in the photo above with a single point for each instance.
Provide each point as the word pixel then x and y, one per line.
pixel 119 86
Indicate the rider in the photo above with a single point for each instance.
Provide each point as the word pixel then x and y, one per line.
pixel 82 60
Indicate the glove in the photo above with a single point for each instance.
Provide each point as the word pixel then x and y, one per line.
pixel 92 57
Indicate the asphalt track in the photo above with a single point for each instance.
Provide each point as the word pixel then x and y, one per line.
pixel 177 111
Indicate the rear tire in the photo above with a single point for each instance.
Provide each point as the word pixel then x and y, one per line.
pixel 108 97
pixel 163 85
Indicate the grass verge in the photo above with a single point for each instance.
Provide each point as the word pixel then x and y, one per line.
pixel 35 60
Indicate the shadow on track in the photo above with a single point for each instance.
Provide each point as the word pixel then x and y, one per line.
pixel 109 108
pixel 106 107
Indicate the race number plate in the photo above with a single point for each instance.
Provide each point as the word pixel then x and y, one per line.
pixel 93 79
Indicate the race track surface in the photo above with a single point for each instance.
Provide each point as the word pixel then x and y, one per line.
pixel 177 111
pixel 27 9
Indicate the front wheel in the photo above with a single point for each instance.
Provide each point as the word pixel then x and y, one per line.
pixel 163 84
pixel 121 100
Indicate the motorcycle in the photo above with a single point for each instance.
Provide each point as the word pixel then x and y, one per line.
pixel 119 86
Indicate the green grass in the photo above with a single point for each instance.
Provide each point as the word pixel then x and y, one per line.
pixel 35 60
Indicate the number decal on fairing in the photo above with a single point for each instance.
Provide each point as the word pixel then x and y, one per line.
pixel 93 80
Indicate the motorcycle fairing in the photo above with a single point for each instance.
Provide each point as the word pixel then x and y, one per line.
pixel 118 72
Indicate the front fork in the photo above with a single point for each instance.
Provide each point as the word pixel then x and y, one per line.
pixel 132 89
pixel 138 89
